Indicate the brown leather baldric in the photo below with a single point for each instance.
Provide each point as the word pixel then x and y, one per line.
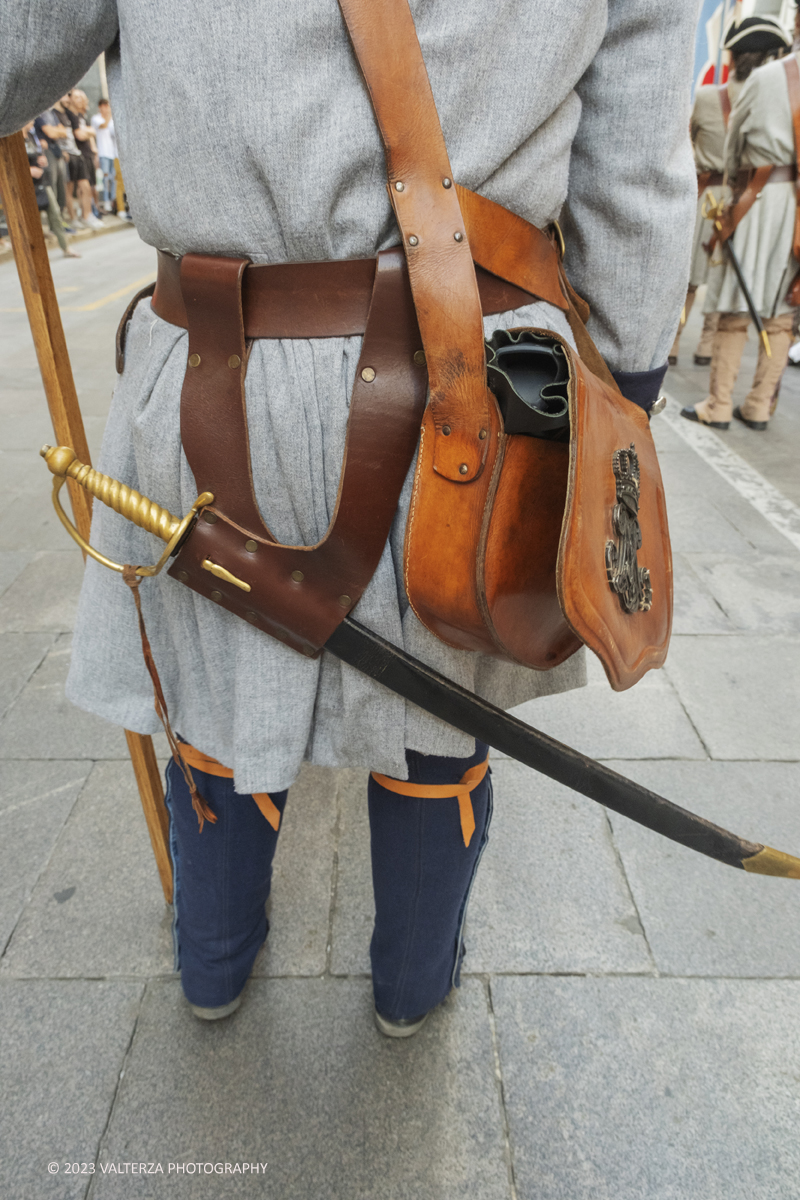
pixel 724 103
pixel 432 226
pixel 299 594
pixel 793 84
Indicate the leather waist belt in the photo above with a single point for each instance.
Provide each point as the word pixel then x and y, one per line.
pixel 311 300
pixel 783 174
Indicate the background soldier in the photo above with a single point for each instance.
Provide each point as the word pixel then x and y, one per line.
pixel 712 108
pixel 759 134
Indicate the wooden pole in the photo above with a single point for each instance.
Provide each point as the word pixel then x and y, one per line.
pixel 33 266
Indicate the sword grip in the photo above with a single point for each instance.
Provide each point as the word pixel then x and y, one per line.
pixel 126 501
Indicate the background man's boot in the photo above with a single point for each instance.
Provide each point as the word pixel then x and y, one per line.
pixel 705 347
pixel 729 340
pixel 756 410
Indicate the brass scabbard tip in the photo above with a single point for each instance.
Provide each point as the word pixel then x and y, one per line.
pixel 773 862
pixel 58 458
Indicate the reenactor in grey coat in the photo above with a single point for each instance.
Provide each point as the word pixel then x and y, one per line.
pixel 712 108
pixel 543 124
pixel 760 134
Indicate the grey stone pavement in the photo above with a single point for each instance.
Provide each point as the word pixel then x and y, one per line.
pixel 628 1025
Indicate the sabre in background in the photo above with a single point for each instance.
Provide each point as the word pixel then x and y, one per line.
pixel 421 685
pixel 713 210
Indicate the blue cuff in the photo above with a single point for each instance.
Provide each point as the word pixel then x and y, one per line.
pixel 641 387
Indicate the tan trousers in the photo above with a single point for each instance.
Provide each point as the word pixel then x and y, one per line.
pixel 726 358
pixel 710 321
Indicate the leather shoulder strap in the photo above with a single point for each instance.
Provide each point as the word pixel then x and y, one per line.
pixel 793 84
pixel 724 103
pixel 426 205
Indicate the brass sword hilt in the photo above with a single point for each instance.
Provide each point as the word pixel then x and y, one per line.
pixel 126 501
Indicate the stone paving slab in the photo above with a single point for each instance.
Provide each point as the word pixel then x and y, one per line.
pixel 620 1089
pixel 550 895
pixel 701 917
pixel 20 656
pixel 62 1045
pixel 35 801
pixel 12 563
pixel 760 596
pixel 98 909
pixel 695 607
pixel 741 692
pixel 697 527
pixel 45 595
pixel 15 465
pixel 300 1079
pixel 300 898
pixel 43 724
pixel 29 521
pixel 646 721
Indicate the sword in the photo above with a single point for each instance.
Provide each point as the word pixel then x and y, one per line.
pixel 421 685
pixel 712 210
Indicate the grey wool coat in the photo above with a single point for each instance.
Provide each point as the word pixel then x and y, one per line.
pixel 760 132
pixel 246 129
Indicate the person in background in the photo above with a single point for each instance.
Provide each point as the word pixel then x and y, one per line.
pixel 760 134
pixel 45 196
pixel 750 46
pixel 103 125
pixel 84 136
pixel 51 132
pixel 80 165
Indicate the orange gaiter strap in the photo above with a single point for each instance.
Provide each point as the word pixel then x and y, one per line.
pixel 443 791
pixel 203 762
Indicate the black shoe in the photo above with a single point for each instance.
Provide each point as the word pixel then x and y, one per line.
pixel 700 360
pixel 672 360
pixel 759 426
pixel 691 415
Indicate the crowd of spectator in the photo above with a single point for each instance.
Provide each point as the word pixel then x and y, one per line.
pixel 72 164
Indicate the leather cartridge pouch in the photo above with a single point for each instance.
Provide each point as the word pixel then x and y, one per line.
pixel 516 546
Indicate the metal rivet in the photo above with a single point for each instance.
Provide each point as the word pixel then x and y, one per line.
pixel 459 237
pixel 345 601
pixel 413 240
pixel 251 546
pixel 308 651
pixel 216 596
pixel 419 358
pixel 210 518
pixel 194 360
pixel 368 374
pixel 399 187
pixel 446 430
pixel 183 576
pixel 482 434
pixel 298 576
pixel 447 183
pixel 462 470
pixel 251 617
pixel 658 406
pixel 234 361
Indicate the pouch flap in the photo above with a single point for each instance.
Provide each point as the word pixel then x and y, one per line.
pixel 614 573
